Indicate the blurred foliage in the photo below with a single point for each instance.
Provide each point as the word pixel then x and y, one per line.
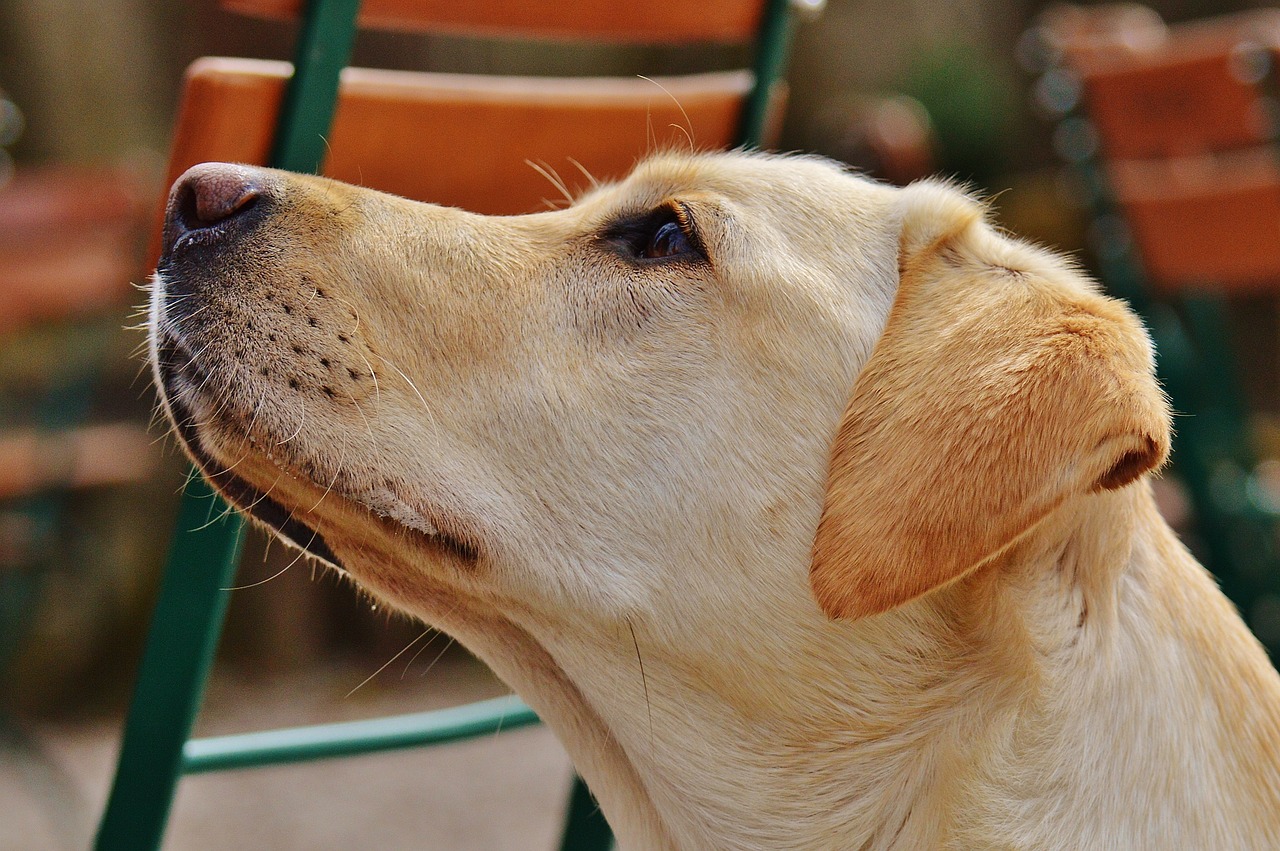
pixel 975 107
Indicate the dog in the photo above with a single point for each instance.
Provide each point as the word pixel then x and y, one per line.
pixel 810 512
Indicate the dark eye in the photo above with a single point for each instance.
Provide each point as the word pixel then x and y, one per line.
pixel 662 233
pixel 669 240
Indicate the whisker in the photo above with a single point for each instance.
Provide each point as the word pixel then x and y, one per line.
pixel 257 409
pixel 377 391
pixel 414 658
pixel 302 421
pixel 337 473
pixel 191 361
pixel 425 407
pixel 553 177
pixel 438 657
pixel 367 425
pixel 687 135
pixel 644 682
pixel 366 680
pixel 688 128
pixel 591 178
pixel 201 309
pixel 278 573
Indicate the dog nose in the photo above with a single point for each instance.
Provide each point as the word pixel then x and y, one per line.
pixel 207 199
pixel 213 192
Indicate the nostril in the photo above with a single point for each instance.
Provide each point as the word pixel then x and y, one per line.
pixel 207 198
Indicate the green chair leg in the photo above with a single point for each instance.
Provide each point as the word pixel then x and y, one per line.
pixel 175 665
pixel 771 58
pixel 585 828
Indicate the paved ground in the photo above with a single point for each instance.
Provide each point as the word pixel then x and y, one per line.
pixel 495 794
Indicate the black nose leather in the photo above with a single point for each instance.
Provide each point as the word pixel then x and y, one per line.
pixel 207 201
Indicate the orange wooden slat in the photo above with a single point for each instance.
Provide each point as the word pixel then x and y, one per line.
pixel 463 140
pixel 89 456
pixel 54 198
pixel 654 22
pixel 68 242
pixel 1177 106
pixel 67 275
pixel 1205 221
pixel 1156 91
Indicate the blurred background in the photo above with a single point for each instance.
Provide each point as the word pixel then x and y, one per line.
pixel 985 91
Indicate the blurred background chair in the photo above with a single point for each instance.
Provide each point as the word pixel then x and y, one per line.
pixel 68 249
pixel 69 240
pixel 1171 132
pixel 491 144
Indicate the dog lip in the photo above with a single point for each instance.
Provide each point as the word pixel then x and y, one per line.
pixel 394 512
pixel 177 242
pixel 248 499
pixel 244 496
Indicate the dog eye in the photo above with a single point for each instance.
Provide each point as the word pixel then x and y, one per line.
pixel 668 240
pixel 665 233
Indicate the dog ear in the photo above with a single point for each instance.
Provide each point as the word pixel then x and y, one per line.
pixel 1003 385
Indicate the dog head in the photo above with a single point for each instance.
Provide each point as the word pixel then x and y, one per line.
pixel 646 402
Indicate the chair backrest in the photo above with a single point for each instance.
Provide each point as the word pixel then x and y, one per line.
pixel 463 140
pixel 654 22
pixel 513 144
pixel 1185 133
pixel 1190 92
pixel 1205 222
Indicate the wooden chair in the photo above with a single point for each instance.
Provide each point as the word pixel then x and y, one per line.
pixel 489 144
pixel 387 134
pixel 69 239
pixel 68 250
pixel 1172 133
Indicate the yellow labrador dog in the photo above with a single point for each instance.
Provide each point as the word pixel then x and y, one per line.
pixel 809 512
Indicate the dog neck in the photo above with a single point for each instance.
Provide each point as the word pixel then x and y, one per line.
pixel 939 724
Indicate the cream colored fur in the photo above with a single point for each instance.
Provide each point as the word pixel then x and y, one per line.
pixel 838 539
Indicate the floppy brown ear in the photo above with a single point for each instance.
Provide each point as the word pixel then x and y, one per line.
pixel 1003 385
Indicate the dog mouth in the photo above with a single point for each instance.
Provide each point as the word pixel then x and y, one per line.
pixel 240 493
pixel 385 509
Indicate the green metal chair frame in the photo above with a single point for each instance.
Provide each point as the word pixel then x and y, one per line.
pixel 1213 455
pixel 156 749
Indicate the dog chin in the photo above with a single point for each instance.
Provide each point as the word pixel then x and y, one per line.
pixel 239 492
